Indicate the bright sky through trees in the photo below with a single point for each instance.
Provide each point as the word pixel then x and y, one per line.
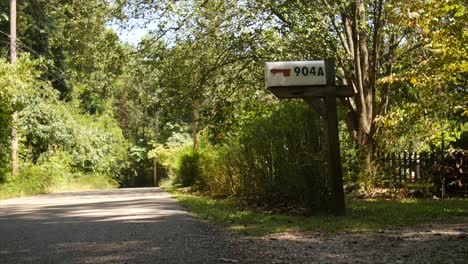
pixel 133 34
pixel 95 91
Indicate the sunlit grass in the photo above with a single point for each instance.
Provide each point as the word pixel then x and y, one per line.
pixel 361 215
pixel 40 183
pixel 85 182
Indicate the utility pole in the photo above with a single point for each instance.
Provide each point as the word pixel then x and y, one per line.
pixel 14 126
pixel 155 159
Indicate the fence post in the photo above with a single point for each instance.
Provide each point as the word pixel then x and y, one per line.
pixel 405 166
pixel 393 170
pixel 416 166
pixel 411 161
pixel 400 160
pixel 421 166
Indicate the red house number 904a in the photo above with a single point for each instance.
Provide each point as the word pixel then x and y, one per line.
pixel 313 71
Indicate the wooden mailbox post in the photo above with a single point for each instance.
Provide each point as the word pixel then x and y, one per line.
pixel 314 82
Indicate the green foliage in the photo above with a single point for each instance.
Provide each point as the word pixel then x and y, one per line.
pixel 95 143
pixel 350 162
pixel 431 104
pixel 204 60
pixel 138 171
pixel 282 158
pixel 169 154
pixel 219 171
pixel 19 88
pixel 181 164
pixel 462 142
pixel 48 127
pixel 407 128
pixel 5 131
pixel 189 168
pixel 32 180
pixel 277 158
pixel 71 129
pixel 360 216
pixel 53 175
pixel 99 145
pixel 211 170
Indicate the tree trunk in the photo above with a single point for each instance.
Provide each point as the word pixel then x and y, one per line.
pixel 14 145
pixel 12 31
pixel 155 172
pixel 155 160
pixel 123 116
pixel 196 119
pixel 362 76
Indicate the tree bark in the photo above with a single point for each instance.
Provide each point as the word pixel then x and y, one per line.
pixel 363 77
pixel 14 145
pixel 14 127
pixel 13 31
pixel 196 119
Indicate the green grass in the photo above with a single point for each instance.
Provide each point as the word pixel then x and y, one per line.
pixel 360 216
pixel 84 182
pixel 36 182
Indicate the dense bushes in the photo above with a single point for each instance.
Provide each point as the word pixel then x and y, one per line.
pixel 189 168
pixel 5 131
pixel 275 159
pixel 282 157
pixel 59 145
pixel 138 172
pixel 63 149
pixel 95 143
pixel 17 85
pixel 51 176
pixel 32 180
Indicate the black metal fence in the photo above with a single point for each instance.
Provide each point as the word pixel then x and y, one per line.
pixel 410 167
pixel 444 173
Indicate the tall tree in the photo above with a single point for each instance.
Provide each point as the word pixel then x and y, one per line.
pixel 369 39
pixel 436 100
pixel 75 51
pixel 207 54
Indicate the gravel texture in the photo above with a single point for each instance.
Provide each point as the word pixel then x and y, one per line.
pixel 118 226
pixel 437 243
pixel 148 226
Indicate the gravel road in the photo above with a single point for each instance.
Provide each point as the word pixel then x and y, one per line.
pixel 148 226
pixel 142 225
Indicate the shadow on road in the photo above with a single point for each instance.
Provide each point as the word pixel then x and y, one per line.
pixel 118 226
pixel 147 226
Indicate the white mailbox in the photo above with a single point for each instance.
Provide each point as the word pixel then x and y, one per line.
pixel 295 73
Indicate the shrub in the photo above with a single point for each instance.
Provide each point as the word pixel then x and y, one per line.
pixel 188 169
pixel 31 180
pixel 52 175
pixel 218 171
pixel 275 159
pixel 283 158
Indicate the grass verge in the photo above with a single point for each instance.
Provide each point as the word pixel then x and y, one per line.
pixel 37 181
pixel 361 215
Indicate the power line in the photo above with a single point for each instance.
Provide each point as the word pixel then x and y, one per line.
pixel 41 10
pixel 66 75
pixel 62 72
pixel 39 56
